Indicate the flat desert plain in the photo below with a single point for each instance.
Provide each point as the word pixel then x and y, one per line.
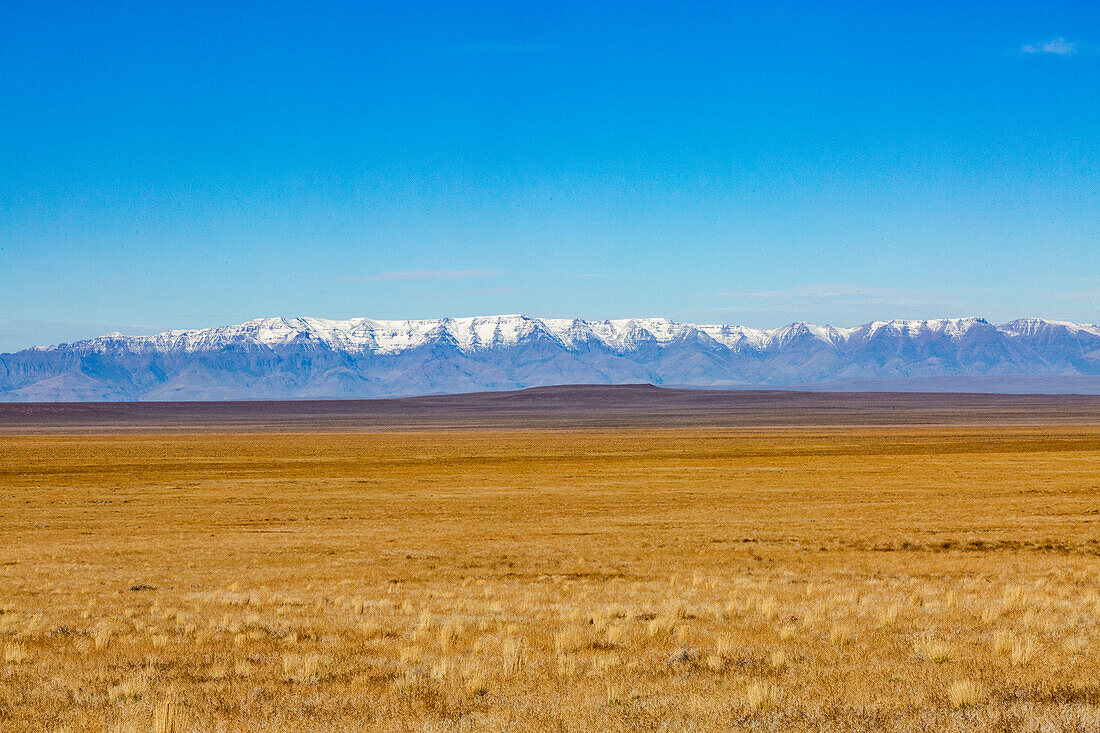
pixel 566 560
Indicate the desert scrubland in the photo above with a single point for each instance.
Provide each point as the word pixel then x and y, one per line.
pixel 907 578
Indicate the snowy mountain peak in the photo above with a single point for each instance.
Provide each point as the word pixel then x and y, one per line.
pixel 1035 326
pixel 363 357
pixel 485 332
pixel 947 326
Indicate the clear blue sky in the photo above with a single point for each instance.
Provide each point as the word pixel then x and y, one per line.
pixel 170 165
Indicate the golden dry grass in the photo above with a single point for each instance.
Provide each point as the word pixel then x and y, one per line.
pixel 930 579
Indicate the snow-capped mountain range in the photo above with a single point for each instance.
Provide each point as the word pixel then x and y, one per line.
pixel 313 358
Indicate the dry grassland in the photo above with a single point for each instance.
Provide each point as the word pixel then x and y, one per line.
pixel 873 580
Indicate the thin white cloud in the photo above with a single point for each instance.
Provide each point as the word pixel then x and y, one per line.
pixel 840 293
pixel 490 291
pixel 1057 46
pixel 393 275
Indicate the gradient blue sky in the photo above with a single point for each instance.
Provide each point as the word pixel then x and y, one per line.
pixel 194 164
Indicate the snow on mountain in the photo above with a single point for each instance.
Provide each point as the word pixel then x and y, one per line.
pixel 285 358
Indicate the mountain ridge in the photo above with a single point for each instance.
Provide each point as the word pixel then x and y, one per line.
pixel 313 358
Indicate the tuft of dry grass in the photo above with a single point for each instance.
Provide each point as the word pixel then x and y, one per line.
pixel 889 615
pixel 840 634
pixel 965 693
pixel 16 653
pixel 476 684
pixel 168 717
pixel 932 649
pixel 102 638
pixel 760 696
pixel 1003 642
pixel 514 655
pixel 1023 650
pixel 303 668
pixel 131 688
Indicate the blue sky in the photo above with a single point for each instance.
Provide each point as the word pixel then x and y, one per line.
pixel 185 165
